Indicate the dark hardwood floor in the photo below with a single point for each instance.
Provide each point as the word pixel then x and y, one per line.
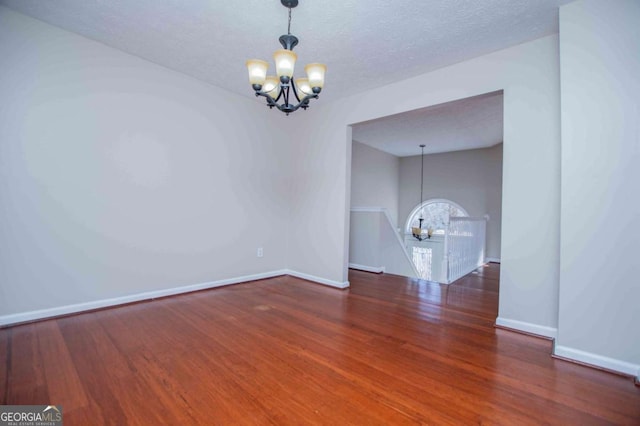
pixel 390 350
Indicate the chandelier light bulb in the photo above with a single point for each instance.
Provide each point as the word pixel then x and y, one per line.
pixel 272 86
pixel 257 71
pixel 315 73
pixel 303 87
pixel 285 62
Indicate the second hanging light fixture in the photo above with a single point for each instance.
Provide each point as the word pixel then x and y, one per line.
pixel 416 231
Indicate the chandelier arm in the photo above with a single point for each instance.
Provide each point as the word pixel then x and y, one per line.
pixel 306 99
pixel 295 92
pixel 273 102
pixel 279 95
pixel 270 101
pixel 304 104
pixel 308 96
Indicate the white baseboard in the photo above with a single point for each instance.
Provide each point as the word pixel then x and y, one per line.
pixel 319 280
pixel 374 269
pixel 138 297
pixel 527 327
pixel 22 317
pixel 598 360
pixel 492 259
pixel 570 353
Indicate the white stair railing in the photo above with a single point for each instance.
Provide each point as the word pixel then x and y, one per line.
pixel 464 246
pixel 427 255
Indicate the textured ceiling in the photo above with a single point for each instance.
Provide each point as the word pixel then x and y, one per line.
pixel 464 124
pixel 365 44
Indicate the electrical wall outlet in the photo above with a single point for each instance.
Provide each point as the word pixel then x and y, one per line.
pixel 260 252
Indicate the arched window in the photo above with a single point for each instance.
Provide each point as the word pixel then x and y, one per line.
pixel 436 213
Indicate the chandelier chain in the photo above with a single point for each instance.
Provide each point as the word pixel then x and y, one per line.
pixel 289 26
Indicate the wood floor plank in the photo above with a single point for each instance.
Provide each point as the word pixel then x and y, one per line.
pixel 63 382
pixel 27 380
pixel 289 362
pixel 5 362
pixel 389 350
pixel 101 367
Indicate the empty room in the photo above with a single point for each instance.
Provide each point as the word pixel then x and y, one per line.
pixel 319 212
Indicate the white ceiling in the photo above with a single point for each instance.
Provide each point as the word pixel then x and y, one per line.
pixel 464 124
pixel 364 43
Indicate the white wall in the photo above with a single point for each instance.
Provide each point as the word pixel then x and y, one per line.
pixel 529 75
pixel 118 176
pixel 600 237
pixel 375 244
pixel 471 178
pixel 374 179
pixel 364 236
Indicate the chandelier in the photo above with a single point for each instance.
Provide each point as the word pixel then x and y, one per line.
pixel 282 88
pixel 416 231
